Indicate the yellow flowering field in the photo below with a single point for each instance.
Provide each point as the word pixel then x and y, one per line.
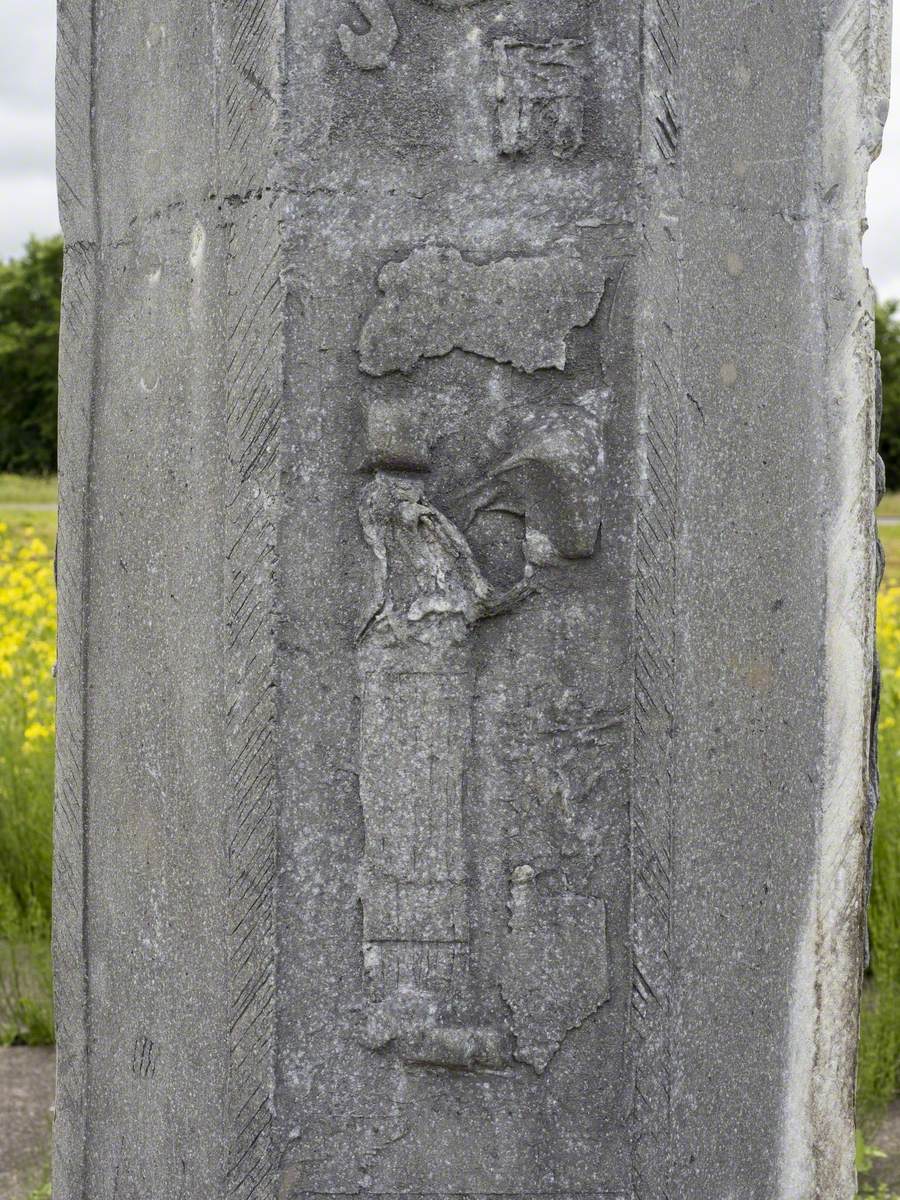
pixel 27 656
pixel 27 636
pixel 879 1059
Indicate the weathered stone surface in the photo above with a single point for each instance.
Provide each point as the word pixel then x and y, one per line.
pixel 466 567
pixel 515 311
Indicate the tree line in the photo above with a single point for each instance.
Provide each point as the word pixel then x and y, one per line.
pixel 29 336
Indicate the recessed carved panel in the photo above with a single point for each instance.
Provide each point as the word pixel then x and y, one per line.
pixel 461 979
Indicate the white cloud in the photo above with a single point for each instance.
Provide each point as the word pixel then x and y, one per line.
pixel 27 184
pixel 27 141
pixel 881 247
pixel 27 52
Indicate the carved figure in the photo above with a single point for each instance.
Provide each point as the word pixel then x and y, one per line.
pixel 418 689
pixel 540 94
pixel 427 573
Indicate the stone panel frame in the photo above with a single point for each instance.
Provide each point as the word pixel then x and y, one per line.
pixel 660 396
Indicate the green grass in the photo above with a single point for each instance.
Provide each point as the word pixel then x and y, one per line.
pixel 19 523
pixel 26 779
pixel 43 1192
pixel 879 1058
pixel 878 1083
pixel 890 539
pixel 27 489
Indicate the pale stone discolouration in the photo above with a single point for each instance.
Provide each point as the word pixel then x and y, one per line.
pixel 818 1147
pixel 517 311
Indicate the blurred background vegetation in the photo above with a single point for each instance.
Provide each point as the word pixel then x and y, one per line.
pixel 29 327
pixel 29 333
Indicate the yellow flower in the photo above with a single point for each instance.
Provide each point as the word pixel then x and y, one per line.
pixel 35 730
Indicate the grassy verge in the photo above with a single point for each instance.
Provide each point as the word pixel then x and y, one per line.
pixel 890 539
pixel 42 1193
pixel 27 655
pixel 879 1048
pixel 26 489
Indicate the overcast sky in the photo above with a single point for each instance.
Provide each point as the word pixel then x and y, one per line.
pixel 28 191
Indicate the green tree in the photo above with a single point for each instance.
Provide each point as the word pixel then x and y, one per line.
pixel 887 339
pixel 29 337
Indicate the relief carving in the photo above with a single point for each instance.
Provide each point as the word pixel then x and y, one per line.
pixel 515 310
pixel 540 95
pixel 557 970
pixel 418 692
pixel 549 473
pixel 558 748
pixel 418 689
pixel 372 49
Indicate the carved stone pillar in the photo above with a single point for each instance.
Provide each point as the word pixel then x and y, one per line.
pixel 466 572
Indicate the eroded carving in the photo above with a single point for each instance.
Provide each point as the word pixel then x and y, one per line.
pixel 558 747
pixel 557 972
pixel 540 95
pixel 514 310
pixel 429 589
pixel 418 690
pixel 415 647
pixel 371 50
pixel 549 473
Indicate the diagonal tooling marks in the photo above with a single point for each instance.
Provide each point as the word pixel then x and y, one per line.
pixel 78 338
pixel 252 85
pixel 663 50
pixel 652 821
pixel 254 378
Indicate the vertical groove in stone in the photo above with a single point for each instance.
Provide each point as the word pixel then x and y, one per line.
pixel 78 348
pixel 252 79
pixel 659 385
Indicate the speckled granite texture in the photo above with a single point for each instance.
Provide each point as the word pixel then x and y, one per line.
pixel 466 576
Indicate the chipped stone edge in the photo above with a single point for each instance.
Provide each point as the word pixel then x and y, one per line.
pixel 818 1151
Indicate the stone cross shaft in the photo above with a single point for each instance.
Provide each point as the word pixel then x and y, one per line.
pixel 467 565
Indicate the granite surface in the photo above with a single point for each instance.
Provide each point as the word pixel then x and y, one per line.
pixel 466 577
